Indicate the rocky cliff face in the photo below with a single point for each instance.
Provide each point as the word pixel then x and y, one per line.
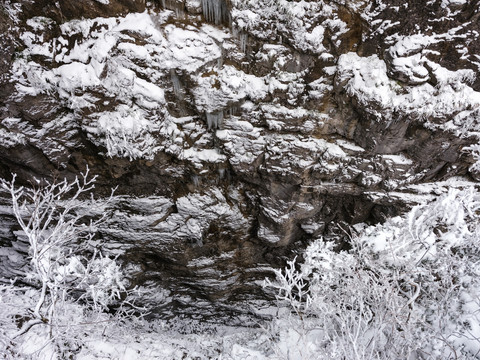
pixel 238 130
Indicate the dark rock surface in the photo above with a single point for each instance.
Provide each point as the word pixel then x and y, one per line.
pixel 236 132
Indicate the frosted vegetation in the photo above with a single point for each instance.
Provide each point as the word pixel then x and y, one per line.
pixel 407 289
pixel 64 286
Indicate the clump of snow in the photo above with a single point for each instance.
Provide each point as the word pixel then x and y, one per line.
pixel 447 3
pixel 412 67
pixel 410 45
pixel 302 21
pixel 218 88
pixel 125 133
pixel 398 159
pixel 203 155
pixel 366 79
pixel 188 49
pixel 347 145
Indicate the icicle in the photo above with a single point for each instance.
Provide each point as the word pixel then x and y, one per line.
pixel 232 111
pixel 177 86
pixel 195 180
pixel 180 13
pixel 243 37
pixel 298 62
pixel 215 11
pixel 220 60
pixel 175 5
pixel 214 120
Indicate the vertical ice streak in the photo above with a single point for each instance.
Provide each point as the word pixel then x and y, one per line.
pixel 214 119
pixel 215 11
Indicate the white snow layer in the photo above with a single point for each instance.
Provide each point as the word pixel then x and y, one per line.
pixel 104 62
pixel 365 78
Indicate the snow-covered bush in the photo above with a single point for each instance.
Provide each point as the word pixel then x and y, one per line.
pixel 408 289
pixel 69 288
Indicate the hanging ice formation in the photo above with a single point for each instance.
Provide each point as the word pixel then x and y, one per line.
pixel 216 11
pixel 175 5
pixel 220 60
pixel 298 62
pixel 232 111
pixel 214 120
pixel 242 38
pixel 195 180
pixel 176 84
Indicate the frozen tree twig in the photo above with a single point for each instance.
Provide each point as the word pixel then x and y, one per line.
pixel 52 222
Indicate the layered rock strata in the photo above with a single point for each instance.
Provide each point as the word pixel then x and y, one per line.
pixel 235 131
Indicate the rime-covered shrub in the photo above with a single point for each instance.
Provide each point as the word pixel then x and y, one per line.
pixel 408 289
pixel 69 290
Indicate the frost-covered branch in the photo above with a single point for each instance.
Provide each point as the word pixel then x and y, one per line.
pixel 407 287
pixel 51 219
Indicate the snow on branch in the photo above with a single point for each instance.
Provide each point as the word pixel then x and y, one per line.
pixel 59 241
pixel 407 287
